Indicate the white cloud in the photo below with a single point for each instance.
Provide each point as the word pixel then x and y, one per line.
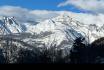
pixel 91 5
pixel 45 14
pixel 88 18
pixel 24 15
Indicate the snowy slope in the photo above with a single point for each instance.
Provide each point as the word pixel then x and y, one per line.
pixel 64 31
pixel 9 25
pixel 65 28
pixel 61 30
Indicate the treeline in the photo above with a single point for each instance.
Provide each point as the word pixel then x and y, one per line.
pixel 87 54
pixel 79 54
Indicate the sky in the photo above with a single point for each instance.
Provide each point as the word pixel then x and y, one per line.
pixel 39 5
pixel 78 6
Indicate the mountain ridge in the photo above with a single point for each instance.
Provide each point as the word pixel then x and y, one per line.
pixel 57 30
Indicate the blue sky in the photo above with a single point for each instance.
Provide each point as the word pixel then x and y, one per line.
pixel 39 4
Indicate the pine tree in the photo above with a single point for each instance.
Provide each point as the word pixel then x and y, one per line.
pixel 77 54
pixel 97 51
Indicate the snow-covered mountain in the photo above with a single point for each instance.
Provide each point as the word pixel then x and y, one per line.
pixel 60 31
pixel 65 29
pixel 52 31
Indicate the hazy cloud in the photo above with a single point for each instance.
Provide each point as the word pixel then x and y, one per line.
pixel 91 5
pixel 23 14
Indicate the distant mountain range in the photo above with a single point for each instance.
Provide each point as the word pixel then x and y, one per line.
pixel 61 30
